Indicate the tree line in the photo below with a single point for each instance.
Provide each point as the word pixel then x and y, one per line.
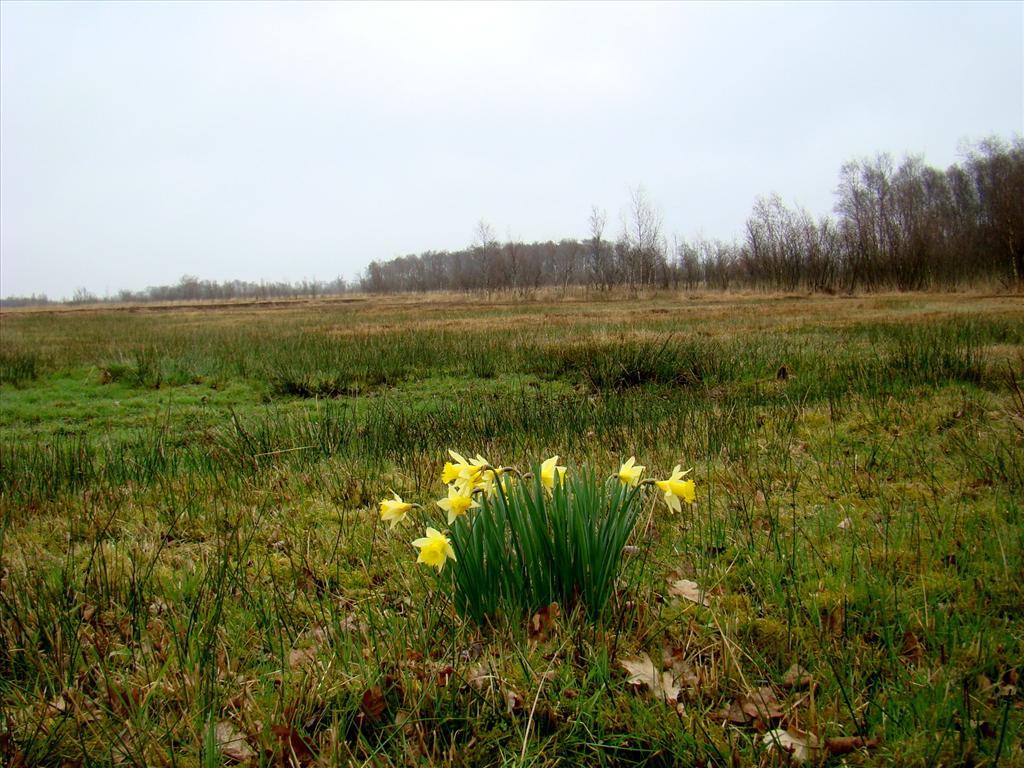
pixel 905 227
pixel 191 288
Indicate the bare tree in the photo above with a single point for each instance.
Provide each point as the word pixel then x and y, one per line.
pixel 567 256
pixel 486 258
pixel 688 266
pixel 642 247
pixel 513 265
pixel 998 170
pixel 600 261
pixel 865 211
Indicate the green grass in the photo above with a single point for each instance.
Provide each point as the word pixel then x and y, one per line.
pixel 190 546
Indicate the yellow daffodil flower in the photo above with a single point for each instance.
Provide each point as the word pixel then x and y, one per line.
pixel 486 483
pixel 629 472
pixel 459 501
pixel 435 548
pixel 461 469
pixel 394 510
pixel 486 476
pixel 449 473
pixel 676 488
pixel 548 470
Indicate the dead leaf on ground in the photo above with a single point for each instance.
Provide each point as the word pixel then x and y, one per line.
pixel 801 747
pixel 57 706
pixel 307 647
pixel 797 677
pixel 232 743
pixel 542 623
pixel 689 590
pixel 444 675
pixel 762 705
pixel 513 701
pixel 833 620
pixel 913 648
pixel 643 672
pixel 472 652
pixel 373 704
pixel 985 728
pixel 352 623
pixel 292 749
pixel 684 672
pixel 734 714
pixel 482 676
pixel 841 745
pixel 1008 685
pixel 300 657
pixel 549 674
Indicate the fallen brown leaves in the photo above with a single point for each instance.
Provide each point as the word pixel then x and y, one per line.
pixel 759 708
pixel 642 673
pixel 542 624
pixel 841 745
pixel 301 657
pixel 797 678
pixel 803 746
pixel 290 748
pixel 307 647
pixel 668 679
pixel 233 743
pixel 689 590
pixel 800 746
pixel 373 704
pixel 913 648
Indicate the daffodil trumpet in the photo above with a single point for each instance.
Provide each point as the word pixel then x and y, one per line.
pixel 676 488
pixel 655 481
pixel 629 473
pixel 395 509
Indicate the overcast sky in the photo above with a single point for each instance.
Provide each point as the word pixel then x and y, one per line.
pixel 140 142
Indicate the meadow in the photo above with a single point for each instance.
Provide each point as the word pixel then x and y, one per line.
pixel 194 570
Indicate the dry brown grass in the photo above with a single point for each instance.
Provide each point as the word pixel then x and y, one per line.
pixel 595 303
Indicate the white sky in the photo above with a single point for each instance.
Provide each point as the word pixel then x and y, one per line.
pixel 140 142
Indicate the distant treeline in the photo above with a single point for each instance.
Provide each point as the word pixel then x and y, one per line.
pixel 905 227
pixel 191 288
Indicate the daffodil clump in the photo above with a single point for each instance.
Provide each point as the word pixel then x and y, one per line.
pixel 521 540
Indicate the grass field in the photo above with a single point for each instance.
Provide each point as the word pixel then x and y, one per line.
pixel 194 570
